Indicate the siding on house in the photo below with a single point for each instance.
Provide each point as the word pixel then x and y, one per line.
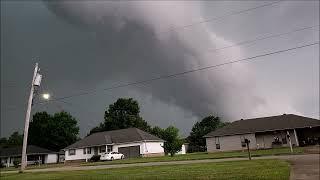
pixel 146 149
pixel 152 147
pixel 265 139
pixel 183 149
pixel 230 143
pixel 79 154
pixel 50 158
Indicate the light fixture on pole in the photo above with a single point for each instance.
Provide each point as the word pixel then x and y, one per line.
pixel 36 80
pixel 46 96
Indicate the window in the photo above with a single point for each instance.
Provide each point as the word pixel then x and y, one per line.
pixel 72 152
pixel 284 140
pixel 102 149
pixel 89 150
pixel 84 151
pixel 217 143
pixel 243 142
pixel 217 146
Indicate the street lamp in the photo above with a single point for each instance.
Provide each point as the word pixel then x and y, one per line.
pixel 46 96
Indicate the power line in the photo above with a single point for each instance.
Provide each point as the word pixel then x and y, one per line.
pixel 219 17
pixel 181 73
pixel 243 43
pixel 261 38
pixel 233 45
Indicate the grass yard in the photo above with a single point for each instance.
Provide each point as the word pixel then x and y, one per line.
pixel 42 166
pixel 255 169
pixel 204 155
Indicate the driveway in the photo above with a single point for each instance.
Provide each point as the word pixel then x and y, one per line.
pixel 304 166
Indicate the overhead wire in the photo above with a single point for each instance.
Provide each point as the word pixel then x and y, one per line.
pixel 173 75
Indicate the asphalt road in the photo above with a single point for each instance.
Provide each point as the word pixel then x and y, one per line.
pixel 304 166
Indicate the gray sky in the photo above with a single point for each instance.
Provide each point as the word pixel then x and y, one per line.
pixel 92 45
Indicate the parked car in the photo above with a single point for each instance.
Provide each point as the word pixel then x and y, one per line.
pixel 111 156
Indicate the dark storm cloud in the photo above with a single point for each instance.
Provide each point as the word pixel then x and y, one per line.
pixel 129 45
pixel 92 45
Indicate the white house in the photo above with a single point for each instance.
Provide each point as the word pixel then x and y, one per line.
pixel 264 133
pixel 184 148
pixel 131 142
pixel 34 154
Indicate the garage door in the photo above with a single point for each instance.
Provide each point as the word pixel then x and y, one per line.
pixel 131 151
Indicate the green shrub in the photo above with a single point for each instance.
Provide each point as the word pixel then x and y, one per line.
pixel 94 158
pixel 16 163
pixel 2 165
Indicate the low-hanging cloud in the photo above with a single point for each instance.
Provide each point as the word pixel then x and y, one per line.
pixel 136 41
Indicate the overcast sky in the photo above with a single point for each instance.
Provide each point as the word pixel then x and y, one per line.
pixel 92 45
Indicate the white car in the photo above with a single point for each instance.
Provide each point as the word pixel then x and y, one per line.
pixel 111 156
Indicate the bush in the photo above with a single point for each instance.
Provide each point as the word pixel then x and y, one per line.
pixel 2 165
pixel 16 163
pixel 94 158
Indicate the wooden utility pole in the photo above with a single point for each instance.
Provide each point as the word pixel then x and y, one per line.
pixel 35 82
pixel 290 143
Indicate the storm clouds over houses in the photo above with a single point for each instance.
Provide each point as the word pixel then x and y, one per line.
pixel 92 45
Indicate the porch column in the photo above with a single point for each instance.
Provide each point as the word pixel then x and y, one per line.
pixel 296 137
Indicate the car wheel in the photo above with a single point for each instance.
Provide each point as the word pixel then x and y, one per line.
pixel 111 158
pixel 122 157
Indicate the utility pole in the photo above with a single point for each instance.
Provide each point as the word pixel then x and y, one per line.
pixel 35 82
pixel 290 143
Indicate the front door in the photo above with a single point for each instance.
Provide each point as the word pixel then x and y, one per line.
pixel 95 150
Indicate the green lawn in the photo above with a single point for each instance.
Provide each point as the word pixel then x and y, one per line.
pixel 204 155
pixel 43 166
pixel 255 169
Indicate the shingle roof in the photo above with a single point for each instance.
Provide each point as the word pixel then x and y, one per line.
pixel 17 151
pixel 286 121
pixel 114 137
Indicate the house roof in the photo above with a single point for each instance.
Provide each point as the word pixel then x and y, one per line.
pixel 114 137
pixel 285 121
pixel 17 151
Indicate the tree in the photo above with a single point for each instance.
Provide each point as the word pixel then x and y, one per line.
pixel 53 132
pixel 124 113
pixel 3 141
pixel 196 140
pixel 15 139
pixel 172 142
pixel 157 131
